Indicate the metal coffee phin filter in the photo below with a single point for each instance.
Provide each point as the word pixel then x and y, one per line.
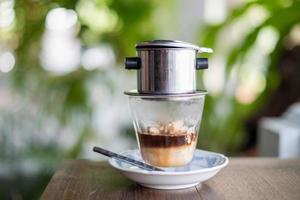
pixel 167 66
pixel 167 107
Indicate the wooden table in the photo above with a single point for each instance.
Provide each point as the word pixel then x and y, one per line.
pixel 251 178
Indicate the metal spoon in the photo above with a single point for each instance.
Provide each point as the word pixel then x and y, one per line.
pixel 131 161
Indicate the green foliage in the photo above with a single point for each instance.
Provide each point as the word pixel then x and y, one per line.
pixel 225 133
pixel 65 98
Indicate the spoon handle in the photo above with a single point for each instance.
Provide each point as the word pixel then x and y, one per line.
pixel 126 159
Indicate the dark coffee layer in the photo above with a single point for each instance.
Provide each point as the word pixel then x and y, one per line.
pixel 147 140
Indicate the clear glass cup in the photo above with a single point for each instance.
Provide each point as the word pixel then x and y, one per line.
pixel 167 126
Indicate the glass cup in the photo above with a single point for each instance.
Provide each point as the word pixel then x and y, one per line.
pixel 167 126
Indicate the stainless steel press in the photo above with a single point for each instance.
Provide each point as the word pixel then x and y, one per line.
pixel 167 67
pixel 167 107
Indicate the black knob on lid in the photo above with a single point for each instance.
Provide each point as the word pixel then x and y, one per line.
pixel 201 63
pixel 132 63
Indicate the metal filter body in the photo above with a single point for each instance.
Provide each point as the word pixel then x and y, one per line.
pixel 167 66
pixel 167 71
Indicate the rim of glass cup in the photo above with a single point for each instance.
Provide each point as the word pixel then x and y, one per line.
pixel 135 93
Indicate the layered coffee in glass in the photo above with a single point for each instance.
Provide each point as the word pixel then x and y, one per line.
pixel 167 127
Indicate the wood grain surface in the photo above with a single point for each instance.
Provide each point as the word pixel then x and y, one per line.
pixel 251 178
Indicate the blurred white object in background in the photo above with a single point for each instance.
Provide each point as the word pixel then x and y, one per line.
pixel 215 11
pixel 101 56
pixel 280 137
pixel 7 13
pixel 60 47
pixel 7 61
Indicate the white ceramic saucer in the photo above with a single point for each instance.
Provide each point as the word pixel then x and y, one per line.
pixel 204 165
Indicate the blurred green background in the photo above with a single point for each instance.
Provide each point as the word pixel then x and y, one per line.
pixel 62 77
